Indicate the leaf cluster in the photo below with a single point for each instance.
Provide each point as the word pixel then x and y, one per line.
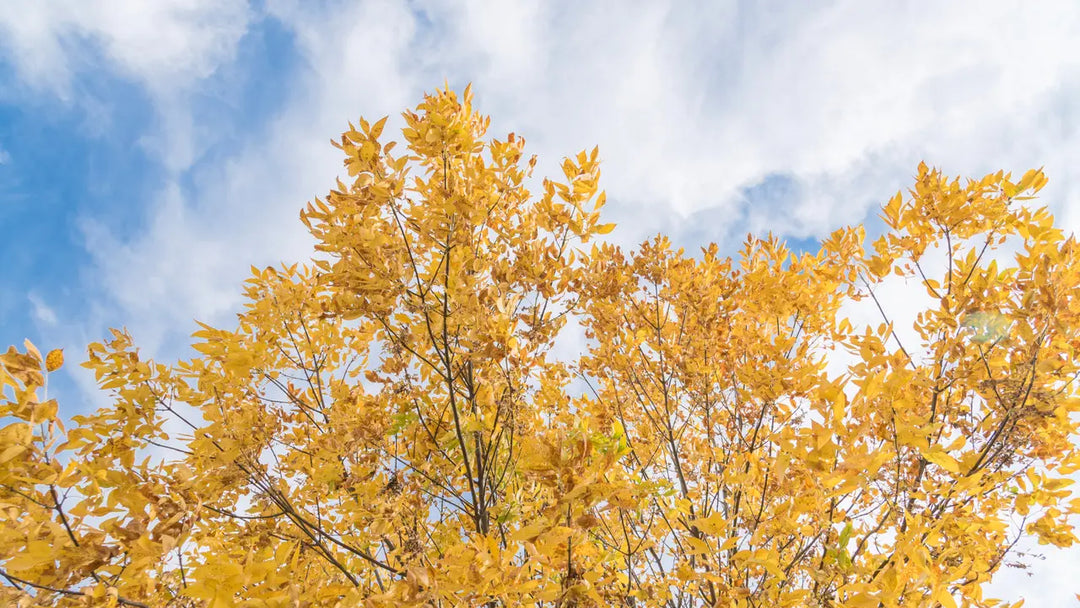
pixel 388 424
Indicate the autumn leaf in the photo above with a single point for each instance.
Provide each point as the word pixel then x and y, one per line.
pixel 54 360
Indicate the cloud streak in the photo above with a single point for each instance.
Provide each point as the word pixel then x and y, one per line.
pixel 164 45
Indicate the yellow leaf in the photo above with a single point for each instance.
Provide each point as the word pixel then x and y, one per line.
pixel 696 546
pixel 31 349
pixel 943 460
pixel 46 410
pixel 377 128
pixel 528 533
pixel 11 452
pixel 712 525
pixel 24 367
pixel 863 600
pixel 728 544
pixel 54 360
pixel 36 553
pixel 18 433
pixel 945 598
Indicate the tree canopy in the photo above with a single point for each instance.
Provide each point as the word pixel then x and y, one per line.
pixel 389 423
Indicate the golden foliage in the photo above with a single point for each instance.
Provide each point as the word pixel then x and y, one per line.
pixel 388 425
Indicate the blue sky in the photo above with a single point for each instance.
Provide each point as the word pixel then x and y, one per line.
pixel 151 152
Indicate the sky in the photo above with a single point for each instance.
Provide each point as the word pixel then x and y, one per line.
pixel 151 152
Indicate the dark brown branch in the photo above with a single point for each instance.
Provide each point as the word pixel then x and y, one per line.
pixel 16 581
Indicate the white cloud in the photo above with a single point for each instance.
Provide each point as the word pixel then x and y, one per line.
pixel 690 104
pixel 164 45
pixel 43 313
pixel 167 47
pixel 182 279
pixel 5 156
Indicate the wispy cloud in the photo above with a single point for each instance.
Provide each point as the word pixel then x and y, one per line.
pixel 167 48
pixel 42 312
pixel 164 45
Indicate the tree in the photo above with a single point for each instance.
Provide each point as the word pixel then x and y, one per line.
pixel 387 425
